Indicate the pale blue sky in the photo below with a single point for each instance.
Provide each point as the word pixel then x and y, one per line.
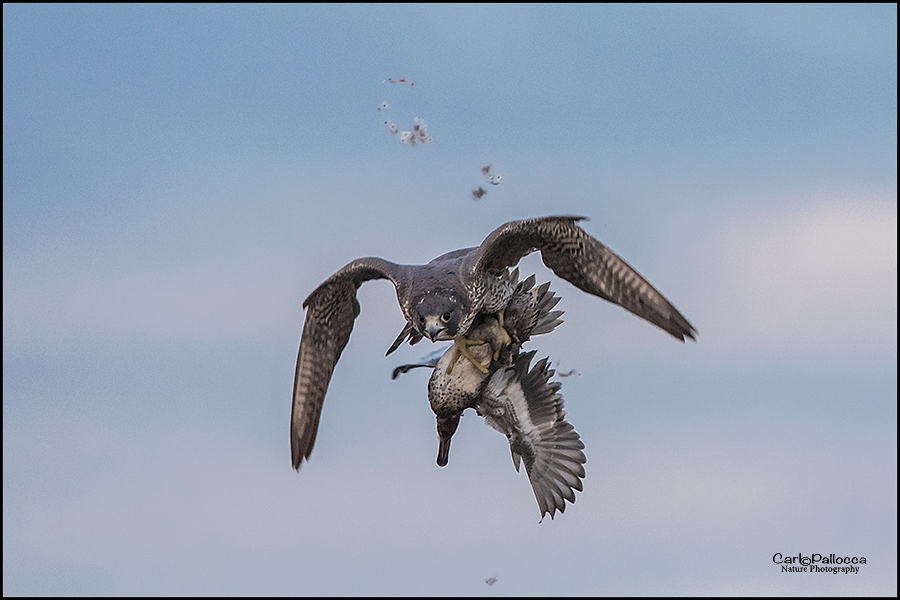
pixel 176 180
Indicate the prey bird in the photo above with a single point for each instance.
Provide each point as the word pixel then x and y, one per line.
pixel 520 403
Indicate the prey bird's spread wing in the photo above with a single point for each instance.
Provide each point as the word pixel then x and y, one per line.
pixel 583 261
pixel 527 408
pixel 330 312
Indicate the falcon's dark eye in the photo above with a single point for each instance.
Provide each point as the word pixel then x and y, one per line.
pixel 446 317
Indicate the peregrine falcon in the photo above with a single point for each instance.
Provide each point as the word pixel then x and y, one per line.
pixel 442 299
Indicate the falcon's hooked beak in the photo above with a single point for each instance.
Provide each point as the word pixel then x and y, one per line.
pixel 434 327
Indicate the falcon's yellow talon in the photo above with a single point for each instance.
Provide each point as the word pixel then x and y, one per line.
pixel 461 346
pixel 453 360
pixel 504 335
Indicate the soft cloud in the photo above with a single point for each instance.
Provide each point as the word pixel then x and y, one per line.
pixel 191 301
pixel 820 279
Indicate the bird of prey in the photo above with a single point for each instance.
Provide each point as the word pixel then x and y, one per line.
pixel 521 404
pixel 441 300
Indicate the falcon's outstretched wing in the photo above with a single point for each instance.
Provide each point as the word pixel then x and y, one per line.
pixel 580 259
pixel 528 409
pixel 331 310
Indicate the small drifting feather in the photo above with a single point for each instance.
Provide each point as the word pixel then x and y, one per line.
pixel 391 128
pixel 568 373
pixel 384 106
pixel 477 194
pixel 420 129
pixel 400 80
pixel 407 137
pixel 490 580
pixel 494 179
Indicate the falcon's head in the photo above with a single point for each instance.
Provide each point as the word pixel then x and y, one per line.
pixel 436 314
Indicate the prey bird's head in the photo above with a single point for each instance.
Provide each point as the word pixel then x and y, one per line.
pixel 436 314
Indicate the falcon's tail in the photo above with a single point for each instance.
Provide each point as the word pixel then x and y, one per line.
pixel 530 310
pixel 547 319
